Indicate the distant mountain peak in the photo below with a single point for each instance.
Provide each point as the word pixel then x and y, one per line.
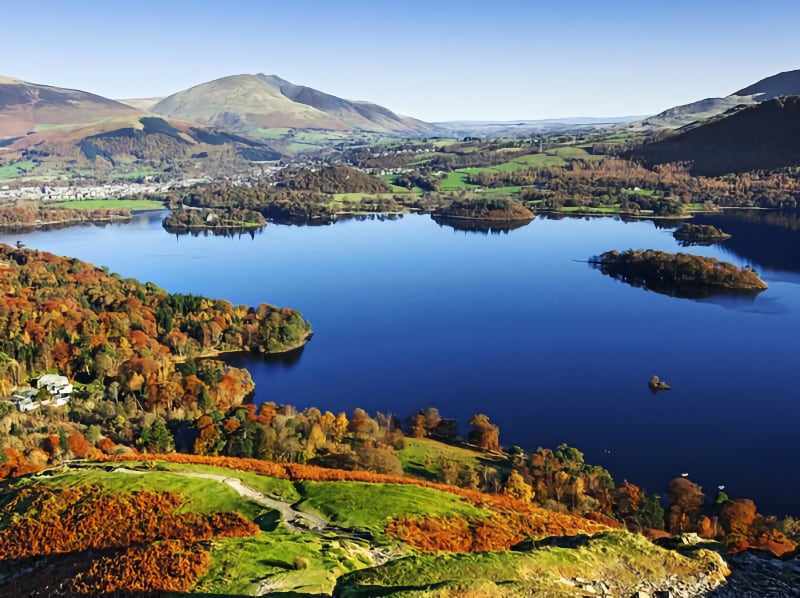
pixel 26 107
pixel 247 103
pixel 786 83
pixel 769 88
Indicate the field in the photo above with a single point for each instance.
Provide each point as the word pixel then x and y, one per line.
pixel 109 204
pixel 13 170
pixel 423 458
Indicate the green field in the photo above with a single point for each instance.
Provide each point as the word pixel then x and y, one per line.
pixel 369 506
pixel 13 170
pixel 423 458
pixel 203 496
pixel 109 204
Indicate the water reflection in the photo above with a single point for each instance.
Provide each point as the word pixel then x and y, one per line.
pixel 484 227
pixel 773 244
pixel 218 231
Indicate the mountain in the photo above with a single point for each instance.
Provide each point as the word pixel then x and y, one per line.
pixel 52 131
pixel 26 107
pixel 782 84
pixel 250 103
pixel 143 104
pixel 760 136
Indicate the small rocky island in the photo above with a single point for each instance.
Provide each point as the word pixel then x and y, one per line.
pixel 656 384
pixel 699 234
pixel 487 210
pixel 678 274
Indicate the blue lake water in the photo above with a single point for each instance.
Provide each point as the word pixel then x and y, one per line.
pixel 409 314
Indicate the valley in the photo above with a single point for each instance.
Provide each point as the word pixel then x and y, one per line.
pixel 452 398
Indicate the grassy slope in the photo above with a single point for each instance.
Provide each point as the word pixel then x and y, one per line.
pixel 368 507
pixel 620 559
pixel 109 204
pixel 423 458
pixel 12 170
pixel 280 560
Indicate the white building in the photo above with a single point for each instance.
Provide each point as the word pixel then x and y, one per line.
pixel 57 386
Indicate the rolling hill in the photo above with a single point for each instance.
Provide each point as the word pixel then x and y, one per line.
pixel 250 103
pixel 762 136
pixel 28 107
pixel 53 131
pixel 782 84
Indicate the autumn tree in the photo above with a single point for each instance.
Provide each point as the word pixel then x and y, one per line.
pixel 686 500
pixel 484 434
pixel 518 488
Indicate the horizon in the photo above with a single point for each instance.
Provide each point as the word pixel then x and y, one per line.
pixel 521 61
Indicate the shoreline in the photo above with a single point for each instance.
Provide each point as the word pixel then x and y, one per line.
pixel 213 353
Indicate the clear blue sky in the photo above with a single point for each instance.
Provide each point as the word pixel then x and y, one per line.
pixel 507 59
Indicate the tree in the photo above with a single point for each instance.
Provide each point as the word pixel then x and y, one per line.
pixel 156 438
pixel 686 500
pixel 518 488
pixel 484 434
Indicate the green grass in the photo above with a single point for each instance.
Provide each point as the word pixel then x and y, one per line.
pixel 457 179
pixel 695 207
pixel 109 204
pixel 239 565
pixel 620 558
pixel 203 496
pixel 422 457
pixel 611 209
pixel 274 487
pixel 302 147
pixel 369 506
pixel 13 170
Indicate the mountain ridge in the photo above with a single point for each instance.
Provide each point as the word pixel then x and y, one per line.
pixel 786 83
pixel 249 103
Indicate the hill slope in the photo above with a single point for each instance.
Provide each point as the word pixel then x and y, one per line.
pixel 763 136
pixel 24 107
pixel 228 528
pixel 782 84
pixel 250 102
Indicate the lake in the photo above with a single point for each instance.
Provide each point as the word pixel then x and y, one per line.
pixel 409 314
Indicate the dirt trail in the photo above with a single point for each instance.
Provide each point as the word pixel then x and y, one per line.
pixel 295 520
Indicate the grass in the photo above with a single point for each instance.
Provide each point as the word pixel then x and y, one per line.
pixel 11 171
pixel 457 179
pixel 611 209
pixel 274 487
pixel 622 559
pixel 369 506
pixel 203 496
pixel 240 565
pixel 109 204
pixel 422 457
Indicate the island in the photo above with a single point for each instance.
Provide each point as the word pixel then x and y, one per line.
pixel 699 234
pixel 679 274
pixel 222 220
pixel 486 209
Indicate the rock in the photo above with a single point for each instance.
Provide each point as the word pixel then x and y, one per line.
pixel 657 384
